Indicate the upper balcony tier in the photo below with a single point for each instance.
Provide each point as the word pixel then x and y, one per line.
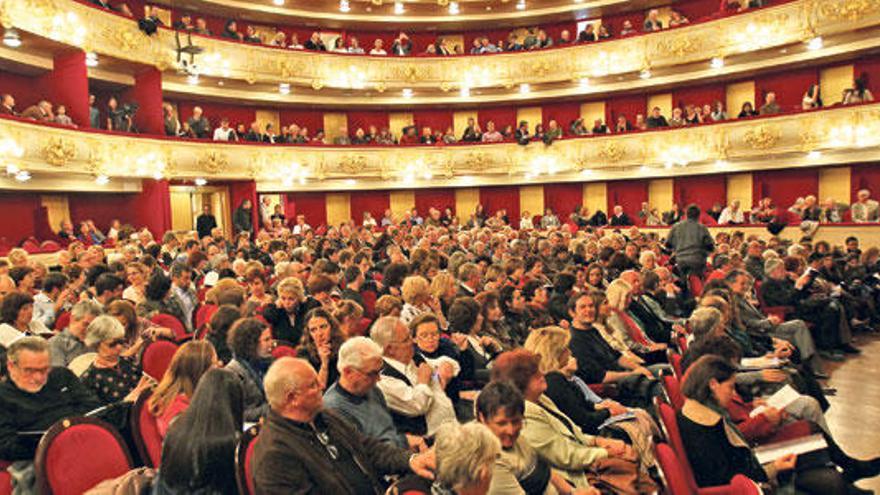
pixel 848 134
pixel 738 45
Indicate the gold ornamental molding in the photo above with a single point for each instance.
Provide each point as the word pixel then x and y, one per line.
pixel 838 135
pixel 108 34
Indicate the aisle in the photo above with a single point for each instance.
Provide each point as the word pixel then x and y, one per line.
pixel 854 416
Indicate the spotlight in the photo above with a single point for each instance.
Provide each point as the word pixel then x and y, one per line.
pixel 717 63
pixel 158 175
pixel 453 8
pixel 524 88
pixel 284 88
pixel 200 182
pixel 102 180
pixel 344 6
pixel 521 5
pixel 11 38
pixel 398 8
pixel 407 93
pixel 12 169
pixel 645 74
pixel 815 43
pixel 91 59
pixel 22 176
pixel 192 79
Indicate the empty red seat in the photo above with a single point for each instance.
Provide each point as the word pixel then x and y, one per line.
pixel 156 358
pixel 62 321
pixel 168 321
pixel 145 431
pixel 678 483
pixel 673 391
pixel 244 453
pixel 31 246
pixel 281 351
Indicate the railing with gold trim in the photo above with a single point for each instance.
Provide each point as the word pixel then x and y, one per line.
pixel 842 135
pixel 109 34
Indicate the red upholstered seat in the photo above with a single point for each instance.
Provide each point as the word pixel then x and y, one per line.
pixel 696 285
pixel 145 431
pixel 675 361
pixel 50 246
pixel 78 453
pixel 281 351
pixel 31 245
pixel 244 452
pixel 204 315
pixel 673 391
pixel 157 356
pixel 168 321
pixel 62 321
pixel 5 479
pixel 370 298
pixel 677 482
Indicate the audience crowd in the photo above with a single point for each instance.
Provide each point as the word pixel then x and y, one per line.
pixel 438 357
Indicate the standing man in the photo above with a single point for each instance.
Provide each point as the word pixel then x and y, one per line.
pixel 206 222
pixel 691 243
pixel 243 219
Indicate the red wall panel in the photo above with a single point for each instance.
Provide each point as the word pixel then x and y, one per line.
pixel 789 87
pixel 563 198
pixel 239 191
pixel 626 105
pixel 19 220
pixel 435 119
pixel 785 186
pixel 24 89
pixel 364 119
pixel 706 94
pixel 496 198
pixel 702 190
pixel 375 202
pixel 151 208
pixel 563 113
pixel 630 194
pixel 864 176
pixel 436 198
pixel 502 116
pixel 311 204
pixel 870 67
pixel 313 119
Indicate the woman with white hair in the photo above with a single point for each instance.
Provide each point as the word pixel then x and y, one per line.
pixel 465 459
pixel 417 298
pixel 625 327
pixel 112 377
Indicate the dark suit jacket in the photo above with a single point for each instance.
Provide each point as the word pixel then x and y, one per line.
pixel 622 220
pixel 204 224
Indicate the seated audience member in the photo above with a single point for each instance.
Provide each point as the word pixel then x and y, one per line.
pixel 865 209
pixel 356 397
pixel 677 119
pixel 622 125
pixel 339 45
pixel 746 111
pixel 279 40
pixel 198 454
pixel 70 343
pixel 41 112
pixel 472 132
pixel 184 23
pixel 732 214
pixel 415 396
pixel 315 43
pixel 202 27
pixel 35 396
pixel 354 46
pixel 52 299
pixel 770 107
pixel 199 124
pixel 250 341
pixel 320 344
pixel 112 377
pixel 676 19
pixel 7 104
pixel 859 93
pixel 717 113
pixel 627 29
pixel 709 387
pixel 652 21
pixel 552 133
pixel 656 119
pixel 812 98
pixel 564 38
pixel 604 33
pixel 491 135
pixel 224 132
pixel 16 318
pixel 169 120
pixel 599 127
pixel 308 448
pixel 62 118
pixel 578 456
pixel 230 31
pixel 402 45
pixel 218 330
pixel 577 127
pixel 378 47
pixel 619 217
pixel 251 36
pixel 588 34
pixel 175 391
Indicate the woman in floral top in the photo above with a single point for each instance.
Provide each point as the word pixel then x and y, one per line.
pixel 112 378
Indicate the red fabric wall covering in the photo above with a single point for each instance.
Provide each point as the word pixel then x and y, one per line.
pixel 706 94
pixel 68 84
pixel 864 176
pixel 237 114
pixel 25 89
pixel 496 198
pixel 502 116
pixel 630 194
pixel 439 198
pixel 627 105
pixel 239 191
pixel 311 204
pixel 869 66
pixel 102 209
pixel 789 87
pixel 153 207
pixel 695 10
pixel 435 119
pixel 375 202
pixel 311 118
pixel 563 113
pixel 563 198
pixel 785 186
pixel 19 220
pixel 702 190
pixel 364 119
pixel 147 92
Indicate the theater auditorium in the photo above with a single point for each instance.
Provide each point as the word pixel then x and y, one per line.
pixel 437 247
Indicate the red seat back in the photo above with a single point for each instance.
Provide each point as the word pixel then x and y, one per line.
pixel 62 321
pixel 78 453
pixel 673 435
pixel 145 431
pixel 673 391
pixel 369 303
pixel 204 315
pixel 31 246
pixel 168 321
pixel 673 472
pixel 696 285
pixel 157 357
pixel 281 351
pixel 50 246
pixel 244 452
pixel 675 361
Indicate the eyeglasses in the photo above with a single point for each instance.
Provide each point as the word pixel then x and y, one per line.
pixel 115 342
pixel 324 438
pixel 428 336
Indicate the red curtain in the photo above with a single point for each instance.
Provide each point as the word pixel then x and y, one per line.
pixel 702 190
pixel 496 198
pixel 313 119
pixel 789 87
pixel 563 113
pixel 24 89
pixel 364 119
pixel 626 105
pixel 20 216
pixel 502 116
pixel 237 114
pixel 563 198
pixel 870 67
pixel 375 202
pixel 147 92
pixel 311 204
pixel 864 176
pixel 785 186
pixel 695 10
pixel 630 194
pixel 435 119
pixel 68 84
pixel 240 191
pixel 102 209
pixel 435 197
pixel 699 95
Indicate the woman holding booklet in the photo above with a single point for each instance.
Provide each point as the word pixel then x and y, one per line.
pixel 717 450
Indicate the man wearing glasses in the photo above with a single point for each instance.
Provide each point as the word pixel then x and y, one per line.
pixel 36 396
pixel 308 449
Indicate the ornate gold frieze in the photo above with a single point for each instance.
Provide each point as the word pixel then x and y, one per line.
pixel 59 151
pixel 214 162
pixel 761 137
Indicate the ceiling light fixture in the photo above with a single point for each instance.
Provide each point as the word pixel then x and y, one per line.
pixel 815 43
pixel 91 59
pixel 102 180
pixel 200 182
pixel 407 93
pixel 398 8
pixel 717 62
pixel 11 38
pixel 814 155
pixel 453 8
pixel 192 79
pixel 584 82
pixel 12 169
pixel 645 74
pixel 521 5
pixel 22 176
pixel 278 2
pixel 524 88
pixel 465 92
pixel 720 164
pixel 344 6
pixel 284 88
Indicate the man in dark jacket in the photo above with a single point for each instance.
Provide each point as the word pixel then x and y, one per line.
pixel 691 243
pixel 206 222
pixel 36 396
pixel 242 218
pixel 307 449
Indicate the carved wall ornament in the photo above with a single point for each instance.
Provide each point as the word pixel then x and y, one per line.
pixel 678 46
pixel 612 152
pixel 353 164
pixel 317 84
pixel 128 39
pixel 476 161
pixel 59 151
pixel 761 137
pixel 214 162
pixel 850 10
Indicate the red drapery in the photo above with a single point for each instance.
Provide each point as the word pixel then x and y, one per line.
pixel 870 67
pixel 630 194
pixel 24 89
pixel 706 94
pixel 21 212
pixel 240 191
pixel 311 204
pixel 785 186
pixel 501 116
pixel 68 84
pixel 496 198
pixel 563 113
pixel 626 105
pixel 436 198
pixel 789 87
pixel 375 202
pixel 702 190
pixel 364 119
pixel 153 206
pixel 563 198
pixel 864 176
pixel 147 92
pixel 435 119
pixel 313 119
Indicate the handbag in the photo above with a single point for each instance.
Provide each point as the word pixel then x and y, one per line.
pixel 135 482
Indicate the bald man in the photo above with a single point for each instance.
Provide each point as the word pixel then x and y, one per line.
pixel 307 449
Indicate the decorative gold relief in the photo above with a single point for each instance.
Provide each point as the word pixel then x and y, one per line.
pixel 380 87
pixel 678 46
pixel 128 39
pixel 476 161
pixel 850 10
pixel 317 84
pixel 612 152
pixel 761 137
pixel 353 164
pixel 59 151
pixel 214 162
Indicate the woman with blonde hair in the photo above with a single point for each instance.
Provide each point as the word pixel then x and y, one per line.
pixel 444 288
pixel 586 409
pixel 137 275
pixel 174 392
pixel 417 298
